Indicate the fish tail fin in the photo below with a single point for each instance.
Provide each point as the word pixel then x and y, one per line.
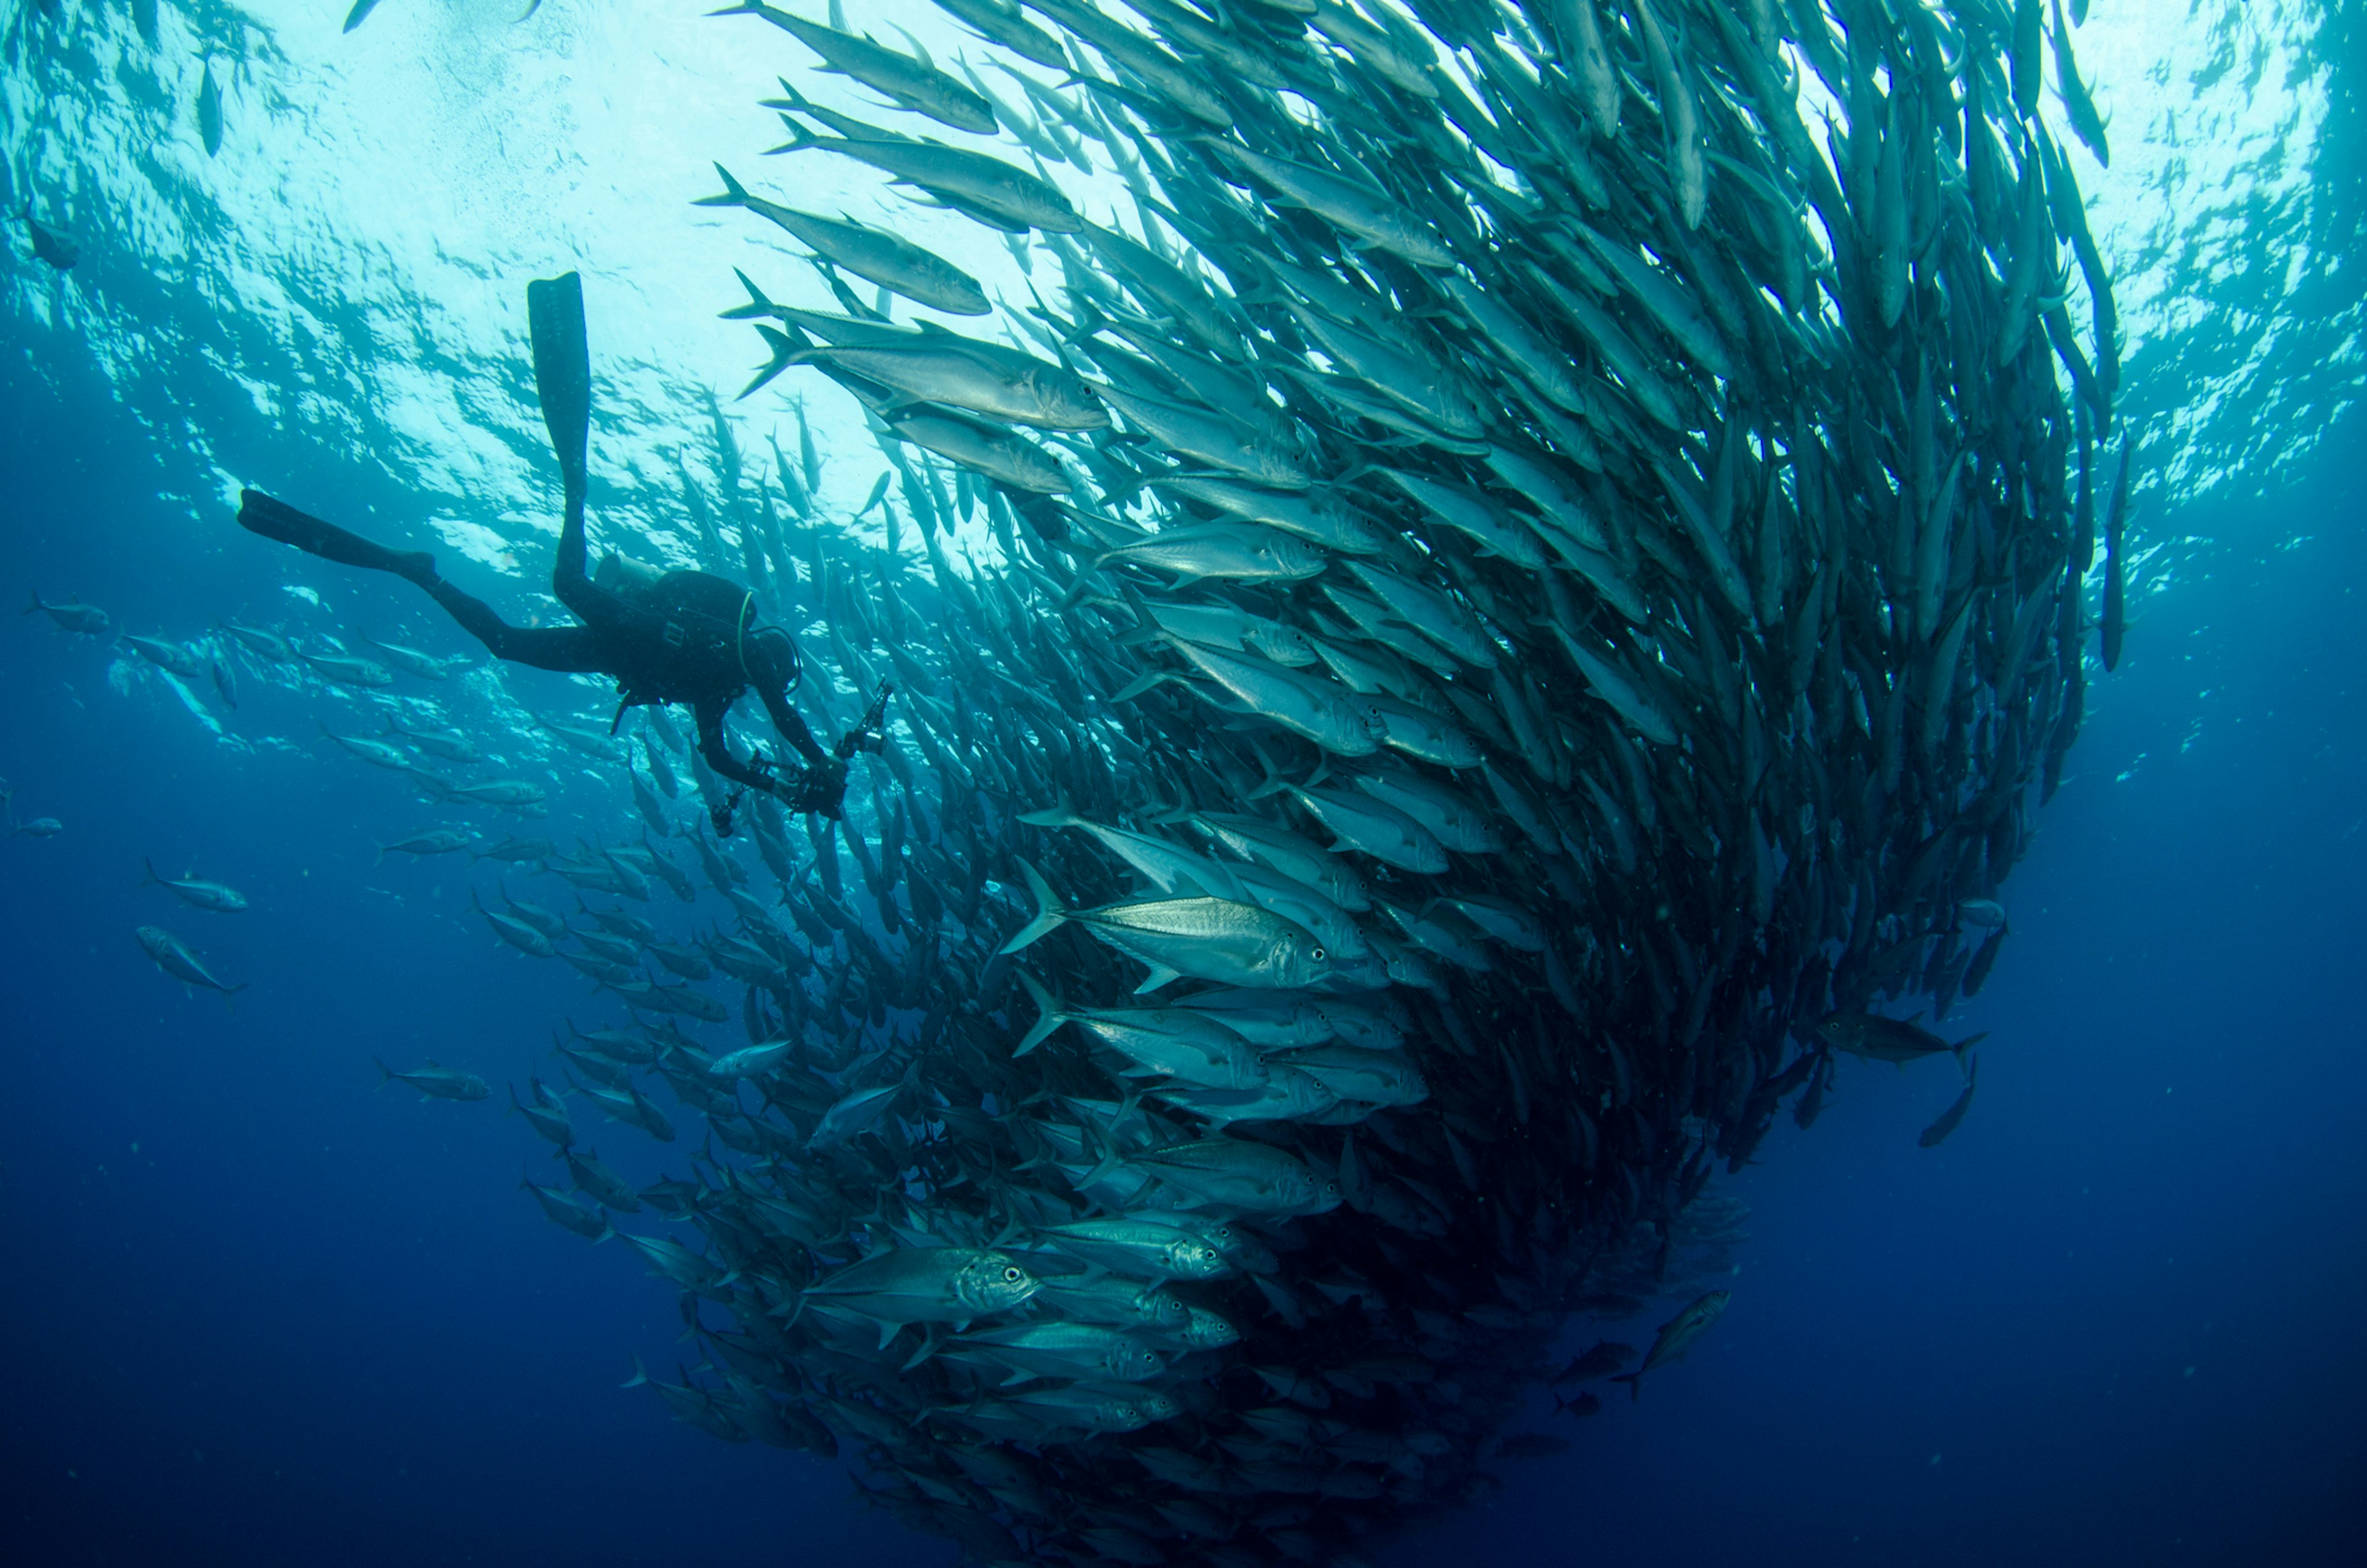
pixel 385 1073
pixel 640 1375
pixel 1047 1005
pixel 1049 911
pixel 1274 784
pixel 758 304
pixel 785 354
pixel 151 879
pixel 734 193
pixel 1966 1044
pixel 1060 816
pixel 1110 1158
pixel 1142 683
pixel 35 604
pixel 1634 1382
pixel 791 101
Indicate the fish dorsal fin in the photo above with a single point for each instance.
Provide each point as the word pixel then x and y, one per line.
pixel 919 49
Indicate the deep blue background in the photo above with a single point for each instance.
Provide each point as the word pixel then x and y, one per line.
pixel 257 1312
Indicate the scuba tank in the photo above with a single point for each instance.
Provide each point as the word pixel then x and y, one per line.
pixel 625 577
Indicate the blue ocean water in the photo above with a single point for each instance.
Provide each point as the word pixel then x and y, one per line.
pixel 265 1311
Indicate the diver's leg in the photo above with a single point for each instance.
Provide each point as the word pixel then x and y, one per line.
pixel 572 650
pixel 562 382
pixel 260 514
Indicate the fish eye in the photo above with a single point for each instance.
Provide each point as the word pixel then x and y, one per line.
pixel 1012 1276
pixel 1319 955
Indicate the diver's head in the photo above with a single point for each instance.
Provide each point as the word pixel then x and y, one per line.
pixel 769 657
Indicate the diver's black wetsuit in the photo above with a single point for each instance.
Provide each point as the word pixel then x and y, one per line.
pixel 689 637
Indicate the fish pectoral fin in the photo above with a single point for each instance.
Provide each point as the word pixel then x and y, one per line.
pixel 1159 975
pixel 888 1331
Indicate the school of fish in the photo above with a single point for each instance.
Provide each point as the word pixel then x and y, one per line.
pixel 1540 565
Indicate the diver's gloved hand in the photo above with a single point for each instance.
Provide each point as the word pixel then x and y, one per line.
pixel 720 813
pixel 819 789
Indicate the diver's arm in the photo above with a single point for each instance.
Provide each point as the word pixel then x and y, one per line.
pixel 719 756
pixel 792 726
pixel 818 786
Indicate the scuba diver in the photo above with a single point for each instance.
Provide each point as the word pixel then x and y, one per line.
pixel 676 636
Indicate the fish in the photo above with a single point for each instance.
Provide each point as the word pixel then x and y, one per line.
pixel 262 643
pixel 167 656
pixel 1231 551
pixel 1250 1177
pixel 513 850
pixel 750 1060
pixel 1220 939
pixel 2114 624
pixel 215 896
pixel 84 620
pixel 438 1082
pixel 1140 1249
pixel 874 254
pixel 908 1285
pixel 1880 1039
pixel 209 111
pixel 977 184
pixel 518 933
pixel 412 661
pixel 1677 1336
pixel 1953 1117
pixel 911 81
pixel 1355 209
pixel 377 753
pixel 428 842
pixel 942 368
pixel 171 955
pixel 1341 722
pixel 2079 109
pixel 49 244
pixel 1600 1361
pixel 1173 1043
pixel 347 670
pixel 568 1212
pixel 546 1115
pixel 359 13
pixel 851 1115
pixel 1057 1349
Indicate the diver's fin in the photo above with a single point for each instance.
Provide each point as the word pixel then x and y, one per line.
pixel 275 519
pixel 562 370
